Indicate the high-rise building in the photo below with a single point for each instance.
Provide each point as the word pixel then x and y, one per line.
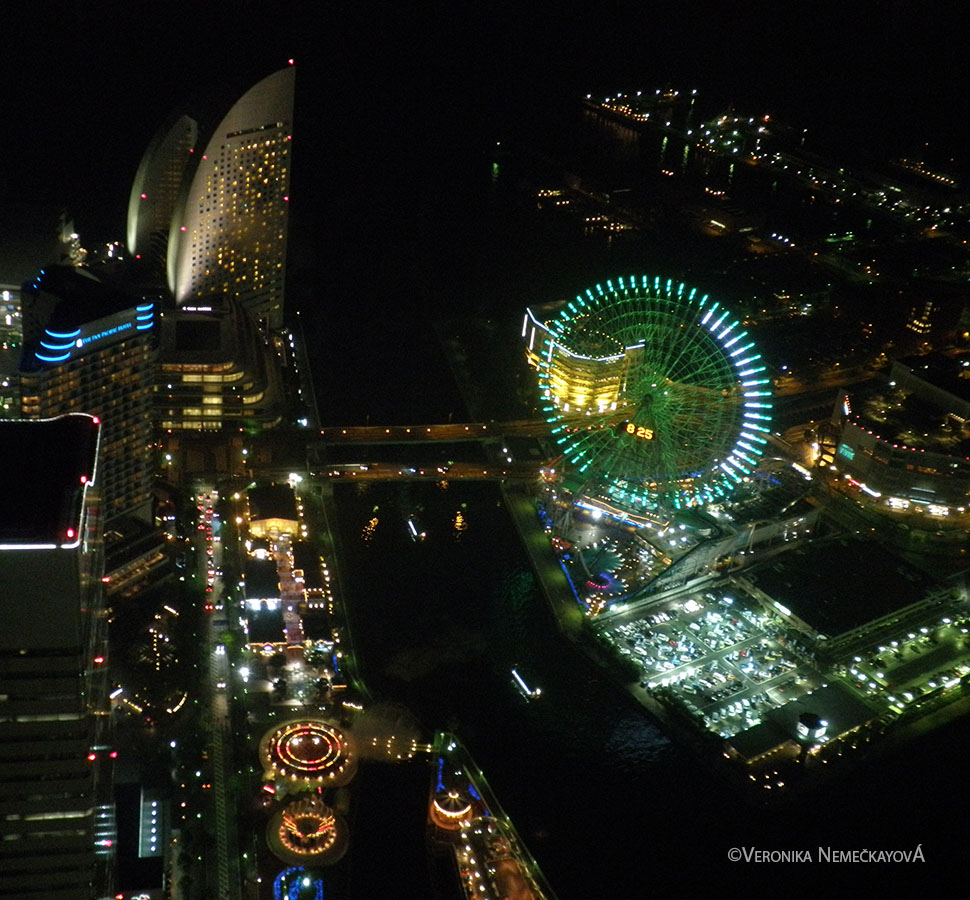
pixel 210 197
pixel 906 442
pixel 87 347
pixel 157 187
pixel 215 370
pixel 11 335
pixel 56 820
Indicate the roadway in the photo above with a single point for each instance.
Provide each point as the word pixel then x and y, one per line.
pixel 448 432
pixel 283 450
pixel 227 875
pixel 406 471
pixel 792 395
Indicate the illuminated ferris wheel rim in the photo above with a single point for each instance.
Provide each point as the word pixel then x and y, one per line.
pixel 674 327
pixel 594 298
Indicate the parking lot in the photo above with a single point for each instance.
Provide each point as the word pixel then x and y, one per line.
pixel 720 656
pixel 913 666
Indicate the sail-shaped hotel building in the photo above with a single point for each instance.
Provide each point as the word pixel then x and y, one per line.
pixel 209 201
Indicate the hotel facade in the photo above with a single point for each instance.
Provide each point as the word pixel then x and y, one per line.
pixel 210 200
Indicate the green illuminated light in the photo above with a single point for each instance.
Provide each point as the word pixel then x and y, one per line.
pixel 670 382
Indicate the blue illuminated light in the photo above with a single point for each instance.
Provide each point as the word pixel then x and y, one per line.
pixel 297 884
pixel 476 795
pixel 64 335
pixel 106 333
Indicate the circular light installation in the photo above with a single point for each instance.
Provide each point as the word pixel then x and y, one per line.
pixel 307 830
pixel 308 827
pixel 308 749
pixel 656 395
pixel 450 810
pixel 311 751
pixel 297 884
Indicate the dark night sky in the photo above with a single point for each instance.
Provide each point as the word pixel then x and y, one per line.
pixel 86 83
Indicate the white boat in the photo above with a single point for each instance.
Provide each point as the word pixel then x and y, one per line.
pixel 528 692
pixel 414 530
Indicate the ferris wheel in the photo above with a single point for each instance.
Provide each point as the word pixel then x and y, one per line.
pixel 656 395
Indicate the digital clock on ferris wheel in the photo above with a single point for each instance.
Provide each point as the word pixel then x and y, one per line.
pixel 634 430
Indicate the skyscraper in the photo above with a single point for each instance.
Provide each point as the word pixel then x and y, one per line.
pixel 214 194
pixel 87 347
pixel 11 335
pixel 56 824
pixel 215 370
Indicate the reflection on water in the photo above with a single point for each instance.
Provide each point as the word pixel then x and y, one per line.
pixel 601 796
pixel 633 742
pixel 610 808
pixel 439 625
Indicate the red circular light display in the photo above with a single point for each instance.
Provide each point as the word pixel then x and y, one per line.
pixel 308 750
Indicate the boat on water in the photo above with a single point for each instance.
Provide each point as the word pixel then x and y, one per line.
pixel 530 693
pixel 415 531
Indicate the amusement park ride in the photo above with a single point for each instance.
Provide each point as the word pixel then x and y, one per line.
pixel 658 401
pixel 656 396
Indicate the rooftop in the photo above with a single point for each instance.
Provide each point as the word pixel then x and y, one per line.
pixel 214 332
pixel 897 415
pixel 307 559
pixel 51 460
pixel 838 585
pixel 948 371
pixel 262 582
pixel 272 501
pixel 84 297
pixel 834 703
pixel 265 626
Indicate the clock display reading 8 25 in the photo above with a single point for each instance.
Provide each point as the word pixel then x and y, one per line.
pixel 637 431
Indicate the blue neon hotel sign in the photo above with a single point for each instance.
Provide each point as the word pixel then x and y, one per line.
pixel 59 346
